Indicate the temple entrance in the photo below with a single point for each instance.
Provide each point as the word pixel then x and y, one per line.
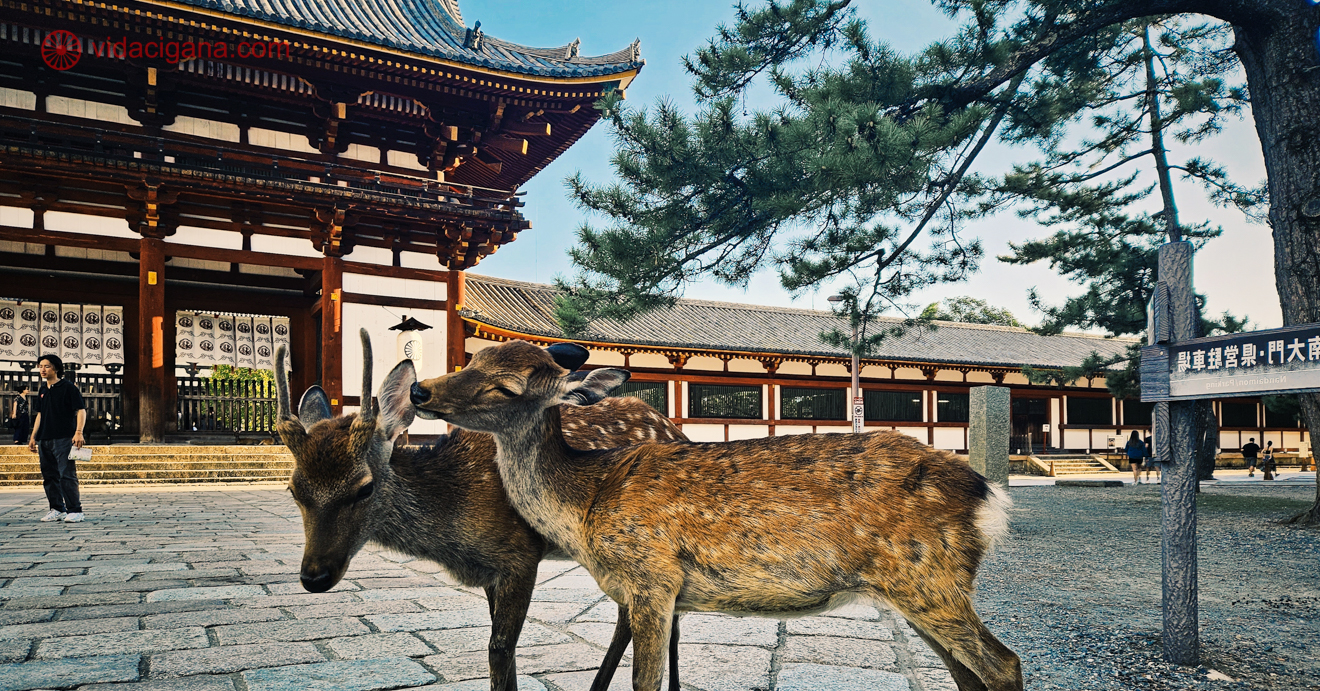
pixel 229 363
pixel 1030 415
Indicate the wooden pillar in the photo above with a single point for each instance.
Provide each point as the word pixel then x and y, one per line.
pixel 455 335
pixel 152 378
pixel 332 336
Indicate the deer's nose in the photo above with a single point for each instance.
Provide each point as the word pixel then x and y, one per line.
pixel 418 394
pixel 318 582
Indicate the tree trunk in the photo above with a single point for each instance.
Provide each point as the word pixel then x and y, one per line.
pixel 1280 60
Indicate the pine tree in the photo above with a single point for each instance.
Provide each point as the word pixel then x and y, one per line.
pixel 860 173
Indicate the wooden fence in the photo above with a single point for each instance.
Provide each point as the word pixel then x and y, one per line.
pixel 208 405
pixel 102 395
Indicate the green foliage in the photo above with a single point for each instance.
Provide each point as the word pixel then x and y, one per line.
pixel 231 373
pixel 969 310
pixel 1092 365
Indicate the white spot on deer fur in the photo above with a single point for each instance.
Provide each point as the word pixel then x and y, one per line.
pixel 992 516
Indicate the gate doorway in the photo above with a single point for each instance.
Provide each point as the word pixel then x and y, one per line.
pixel 1030 415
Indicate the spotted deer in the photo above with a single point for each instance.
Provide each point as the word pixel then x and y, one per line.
pixel 444 503
pixel 793 524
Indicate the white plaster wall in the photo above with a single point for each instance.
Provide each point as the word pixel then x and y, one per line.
pixel 649 360
pixel 417 260
pixel 874 372
pixel 1055 407
pixel 91 225
pixel 949 438
pixel 14 216
pixel 205 237
pixel 1231 440
pixel 605 358
pixel 358 152
pixel 186 263
pixel 948 375
pixel 1016 378
pixel 909 373
pixel 832 369
pixel 371 255
pixel 705 364
pixel 785 430
pixel 293 247
pixel 199 127
pixel 1292 440
pixel 672 410
pixel 704 432
pixel 1076 438
pixel 476 345
pixel 405 159
pixel 14 98
pixel 740 365
pixel 87 253
pixel 24 248
pixel 78 108
pixel 748 431
pixel 258 136
pixel 268 270
pixel 377 320
pixel 980 378
pixel 395 287
pixel 795 368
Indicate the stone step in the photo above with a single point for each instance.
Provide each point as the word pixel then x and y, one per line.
pixel 152 464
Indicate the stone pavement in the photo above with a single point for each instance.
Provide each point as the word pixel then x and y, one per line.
pixel 196 589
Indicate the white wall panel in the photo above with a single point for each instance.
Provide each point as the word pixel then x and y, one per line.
pixel 273 139
pixel 14 216
pixel 417 260
pixel 786 430
pixel 92 225
pixel 748 431
pixel 1076 438
pixel 950 438
pixel 210 129
pixel 371 255
pixel 704 432
pixel 293 247
pixel 918 433
pixel 14 98
pixel 205 237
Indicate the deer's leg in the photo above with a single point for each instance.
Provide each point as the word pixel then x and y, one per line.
pixel 618 644
pixel 948 621
pixel 673 654
pixel 650 615
pixel 963 677
pixel 508 600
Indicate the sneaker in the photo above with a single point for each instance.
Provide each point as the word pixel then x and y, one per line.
pixel 54 515
pixel 74 518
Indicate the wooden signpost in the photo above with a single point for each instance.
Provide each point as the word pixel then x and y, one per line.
pixel 1179 368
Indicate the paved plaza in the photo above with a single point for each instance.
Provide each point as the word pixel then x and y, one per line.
pixel 196 589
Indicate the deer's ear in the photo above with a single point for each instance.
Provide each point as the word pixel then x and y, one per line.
pixel 595 387
pixel 314 407
pixel 396 408
pixel 570 356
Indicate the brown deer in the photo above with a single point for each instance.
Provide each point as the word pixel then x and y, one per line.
pixel 791 524
pixel 444 503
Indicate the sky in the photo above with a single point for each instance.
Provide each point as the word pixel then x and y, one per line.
pixel 1235 271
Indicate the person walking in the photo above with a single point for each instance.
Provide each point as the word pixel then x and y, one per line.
pixel 1267 461
pixel 1149 461
pixel 19 413
pixel 1249 453
pixel 57 430
pixel 1136 451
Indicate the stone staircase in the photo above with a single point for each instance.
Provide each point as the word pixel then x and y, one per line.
pixel 124 464
pixel 1075 464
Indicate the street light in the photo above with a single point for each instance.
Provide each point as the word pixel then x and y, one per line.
pixel 858 404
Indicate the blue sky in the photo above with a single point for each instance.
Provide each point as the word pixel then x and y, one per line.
pixel 1235 271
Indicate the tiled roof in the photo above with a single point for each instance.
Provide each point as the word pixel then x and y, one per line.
pixel 528 308
pixel 425 27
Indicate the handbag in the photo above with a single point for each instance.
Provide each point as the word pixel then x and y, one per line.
pixel 81 455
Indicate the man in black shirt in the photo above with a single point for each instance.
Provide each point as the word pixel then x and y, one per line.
pixel 57 430
pixel 1249 453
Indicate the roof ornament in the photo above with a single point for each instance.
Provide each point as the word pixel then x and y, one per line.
pixel 472 40
pixel 636 49
pixel 572 50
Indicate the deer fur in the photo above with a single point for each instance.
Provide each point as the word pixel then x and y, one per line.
pixel 793 524
pixel 444 503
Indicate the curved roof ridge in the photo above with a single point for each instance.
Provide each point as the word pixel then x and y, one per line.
pixel 802 311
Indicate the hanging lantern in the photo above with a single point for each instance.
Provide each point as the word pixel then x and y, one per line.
pixel 409 343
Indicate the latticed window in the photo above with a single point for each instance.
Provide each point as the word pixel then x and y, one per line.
pixel 1089 411
pixel 653 393
pixel 1137 412
pixel 951 407
pixel 812 404
pixel 710 400
pixel 893 406
pixel 1237 414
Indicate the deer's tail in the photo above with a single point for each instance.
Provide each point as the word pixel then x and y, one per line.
pixel 992 516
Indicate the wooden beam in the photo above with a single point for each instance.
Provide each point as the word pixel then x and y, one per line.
pixel 332 336
pixel 511 145
pixel 242 256
pixel 529 129
pixel 435 275
pixel 152 373
pixel 112 268
pixel 390 301
pixel 84 240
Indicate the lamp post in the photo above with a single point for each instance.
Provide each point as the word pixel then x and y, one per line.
pixel 858 402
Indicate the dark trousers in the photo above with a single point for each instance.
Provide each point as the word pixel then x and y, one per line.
pixel 21 429
pixel 59 475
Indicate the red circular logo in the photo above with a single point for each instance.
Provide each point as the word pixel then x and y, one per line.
pixel 61 50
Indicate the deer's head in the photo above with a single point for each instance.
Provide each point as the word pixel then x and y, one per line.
pixel 510 383
pixel 339 463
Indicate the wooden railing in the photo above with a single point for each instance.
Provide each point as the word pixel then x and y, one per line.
pixel 102 395
pixel 228 406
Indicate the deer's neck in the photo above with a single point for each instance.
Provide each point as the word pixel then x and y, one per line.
pixel 546 482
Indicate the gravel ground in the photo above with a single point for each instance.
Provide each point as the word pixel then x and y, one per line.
pixel 1075 591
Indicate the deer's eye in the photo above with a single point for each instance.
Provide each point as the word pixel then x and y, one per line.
pixel 504 392
pixel 365 491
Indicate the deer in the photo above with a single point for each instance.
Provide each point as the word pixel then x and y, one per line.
pixel 444 503
pixel 778 526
